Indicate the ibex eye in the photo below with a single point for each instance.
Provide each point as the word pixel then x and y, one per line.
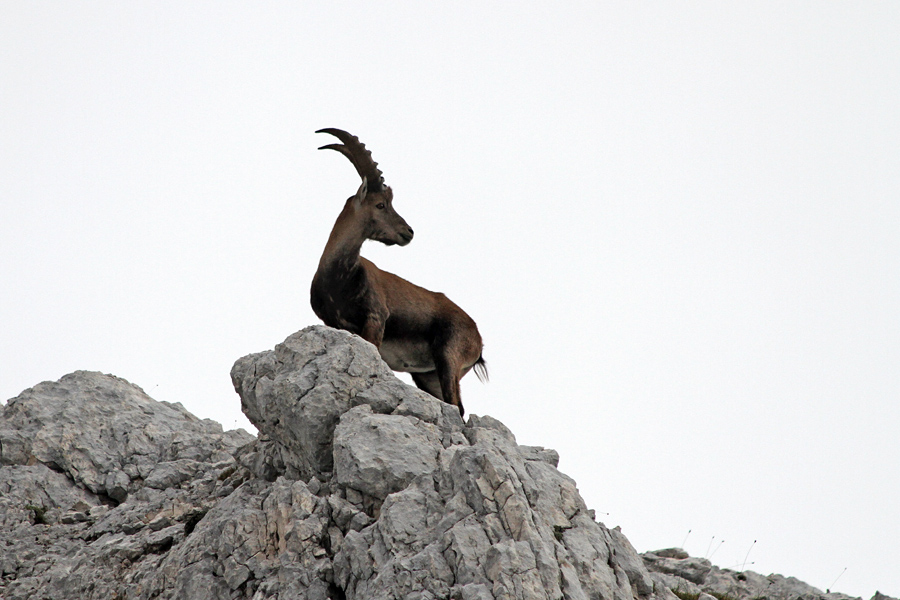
pixel 379 205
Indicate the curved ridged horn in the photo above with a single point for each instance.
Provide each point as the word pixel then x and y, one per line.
pixel 361 158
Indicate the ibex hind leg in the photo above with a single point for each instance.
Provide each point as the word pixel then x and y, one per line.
pixel 449 373
pixel 429 382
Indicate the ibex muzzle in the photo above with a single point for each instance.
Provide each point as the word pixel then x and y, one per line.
pixel 383 223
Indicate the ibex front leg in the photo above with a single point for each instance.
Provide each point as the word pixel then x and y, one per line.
pixel 373 331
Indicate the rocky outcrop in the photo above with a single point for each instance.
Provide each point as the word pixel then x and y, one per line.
pixel 108 437
pixel 421 504
pixel 693 578
pixel 358 487
pixel 98 483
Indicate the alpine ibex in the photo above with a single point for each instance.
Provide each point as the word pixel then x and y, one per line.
pixel 415 330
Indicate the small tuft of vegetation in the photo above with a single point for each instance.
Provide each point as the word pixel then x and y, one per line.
pixel 558 531
pixel 685 595
pixel 40 514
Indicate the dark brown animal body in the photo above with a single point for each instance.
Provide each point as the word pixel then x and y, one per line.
pixel 415 330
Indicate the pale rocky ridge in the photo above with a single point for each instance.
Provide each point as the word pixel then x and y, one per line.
pixel 358 487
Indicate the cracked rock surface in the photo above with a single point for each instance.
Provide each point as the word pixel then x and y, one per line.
pixel 358 487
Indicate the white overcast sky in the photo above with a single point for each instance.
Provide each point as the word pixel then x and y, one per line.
pixel 676 225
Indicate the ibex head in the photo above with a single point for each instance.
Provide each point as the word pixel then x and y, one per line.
pixel 372 206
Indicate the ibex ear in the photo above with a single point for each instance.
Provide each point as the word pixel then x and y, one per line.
pixel 361 192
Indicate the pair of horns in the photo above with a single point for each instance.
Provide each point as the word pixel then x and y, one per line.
pixel 361 158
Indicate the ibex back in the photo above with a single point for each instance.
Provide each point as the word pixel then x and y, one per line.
pixel 415 330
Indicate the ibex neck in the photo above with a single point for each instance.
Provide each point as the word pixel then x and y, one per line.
pixel 344 243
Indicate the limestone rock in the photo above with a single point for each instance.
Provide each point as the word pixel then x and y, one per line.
pixel 296 393
pixel 98 483
pixel 105 433
pixel 358 487
pixel 381 454
pixel 674 569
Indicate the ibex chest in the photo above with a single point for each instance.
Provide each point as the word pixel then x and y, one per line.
pixel 340 300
